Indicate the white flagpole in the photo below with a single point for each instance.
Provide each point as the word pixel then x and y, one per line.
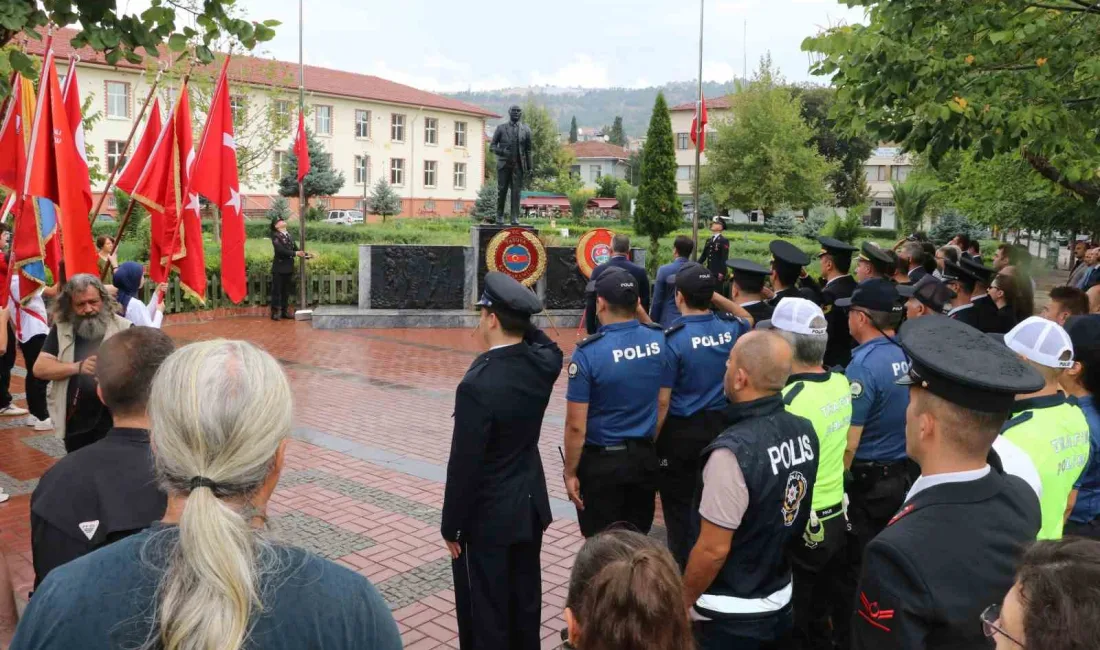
pixel 698 140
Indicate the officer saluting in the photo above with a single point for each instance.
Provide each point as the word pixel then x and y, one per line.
pixel 836 262
pixel 691 401
pixel 495 505
pixel 747 287
pixel 787 264
pixel 611 412
pixel 952 549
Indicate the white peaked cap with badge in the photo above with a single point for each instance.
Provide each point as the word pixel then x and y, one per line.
pixel 1041 341
pixel 795 315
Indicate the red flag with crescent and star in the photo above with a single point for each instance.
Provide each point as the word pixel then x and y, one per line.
pixel 699 124
pixel 301 148
pixel 129 175
pixel 214 176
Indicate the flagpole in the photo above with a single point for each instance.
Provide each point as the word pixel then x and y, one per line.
pixel 301 182
pixel 698 141
pixel 126 147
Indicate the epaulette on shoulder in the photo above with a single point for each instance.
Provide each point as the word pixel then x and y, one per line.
pixel 654 326
pixel 591 339
pixel 1019 419
pixel 675 328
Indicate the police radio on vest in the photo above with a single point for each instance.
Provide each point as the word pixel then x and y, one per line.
pixel 790 454
pixel 710 341
pixel 636 352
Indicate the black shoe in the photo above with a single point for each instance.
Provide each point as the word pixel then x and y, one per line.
pixel 287 315
pixel 515 223
pixel 275 316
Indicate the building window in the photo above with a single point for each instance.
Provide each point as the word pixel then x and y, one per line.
pixel 282 165
pixel 900 172
pixel 429 205
pixel 682 141
pixel 460 134
pixel 873 219
pixel 239 105
pixel 460 206
pixel 118 100
pixel 431 130
pixel 324 120
pixel 397 171
pixel 116 155
pixel 112 201
pixel 362 170
pixel 429 173
pixel 595 171
pixel 282 108
pixel 876 173
pixel 575 171
pixel 397 127
pixel 460 176
pixel 362 124
pixel 685 173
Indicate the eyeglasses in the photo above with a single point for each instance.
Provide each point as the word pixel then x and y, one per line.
pixel 991 619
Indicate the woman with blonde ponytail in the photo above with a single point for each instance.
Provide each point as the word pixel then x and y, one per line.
pixel 208 577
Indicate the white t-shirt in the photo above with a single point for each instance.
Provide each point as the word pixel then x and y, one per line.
pixel 144 315
pixel 28 320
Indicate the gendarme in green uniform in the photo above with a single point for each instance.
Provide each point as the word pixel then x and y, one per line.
pixel 825 399
pixel 1055 435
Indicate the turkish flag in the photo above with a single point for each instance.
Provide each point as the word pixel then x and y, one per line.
pixel 164 188
pixel 13 144
pixel 214 176
pixel 301 148
pixel 71 97
pixel 56 172
pixel 699 124
pixel 130 173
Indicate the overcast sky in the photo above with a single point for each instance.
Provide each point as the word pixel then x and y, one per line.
pixel 451 45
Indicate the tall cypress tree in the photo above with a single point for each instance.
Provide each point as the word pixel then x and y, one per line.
pixel 573 131
pixel 322 179
pixel 617 135
pixel 658 211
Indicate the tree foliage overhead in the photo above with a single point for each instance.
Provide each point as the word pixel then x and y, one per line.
pixel 848 181
pixel 121 34
pixel 546 150
pixel 658 211
pixel 322 179
pixel 1004 77
pixel 762 158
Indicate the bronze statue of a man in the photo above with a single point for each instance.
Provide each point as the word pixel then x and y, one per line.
pixel 512 146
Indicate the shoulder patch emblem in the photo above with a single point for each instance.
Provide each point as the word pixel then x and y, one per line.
pixel 89 528
pixel 901 513
pixel 573 369
pixel 792 497
pixel 857 389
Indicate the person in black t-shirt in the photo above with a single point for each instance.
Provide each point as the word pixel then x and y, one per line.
pixel 84 315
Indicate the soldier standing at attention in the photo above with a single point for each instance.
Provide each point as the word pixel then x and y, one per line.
pixel 1049 428
pixel 873 263
pixel 611 412
pixel 787 265
pixel 691 402
pixel 495 505
pixel 823 398
pixel 953 548
pixel 717 250
pixel 836 262
pixel 747 287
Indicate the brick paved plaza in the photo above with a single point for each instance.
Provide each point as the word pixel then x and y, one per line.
pixel 364 479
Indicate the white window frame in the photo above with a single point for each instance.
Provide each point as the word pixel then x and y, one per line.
pixel 460 134
pixel 431 131
pixel 119 157
pixel 595 172
pixel 683 141
pixel 362 164
pixel 279 161
pixel 238 103
pixel 459 176
pixel 113 98
pixel 362 124
pixel 397 172
pixel 431 167
pixel 317 120
pixel 397 127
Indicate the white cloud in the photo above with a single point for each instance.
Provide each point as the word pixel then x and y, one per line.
pixel 731 7
pixel 582 72
pixel 717 71
pixel 640 82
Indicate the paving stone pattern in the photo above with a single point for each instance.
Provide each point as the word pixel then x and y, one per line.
pixel 364 486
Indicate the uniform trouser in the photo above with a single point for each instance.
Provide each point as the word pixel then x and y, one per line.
pixel 876 492
pixel 679 446
pixel 769 632
pixel 7 362
pixel 818 594
pixel 281 284
pixel 1090 530
pixel 36 388
pixel 617 486
pixel 510 176
pixel 498 595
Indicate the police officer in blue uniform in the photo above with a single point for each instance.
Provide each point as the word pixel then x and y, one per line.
pixel 747 287
pixel 611 412
pixel 495 504
pixel 691 401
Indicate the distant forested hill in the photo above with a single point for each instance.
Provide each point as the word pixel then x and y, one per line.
pixel 595 108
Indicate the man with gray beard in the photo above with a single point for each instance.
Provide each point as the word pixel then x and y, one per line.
pixel 84 315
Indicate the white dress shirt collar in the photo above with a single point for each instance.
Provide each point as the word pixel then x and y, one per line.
pixel 924 482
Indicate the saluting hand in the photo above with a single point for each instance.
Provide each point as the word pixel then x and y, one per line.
pixel 573 489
